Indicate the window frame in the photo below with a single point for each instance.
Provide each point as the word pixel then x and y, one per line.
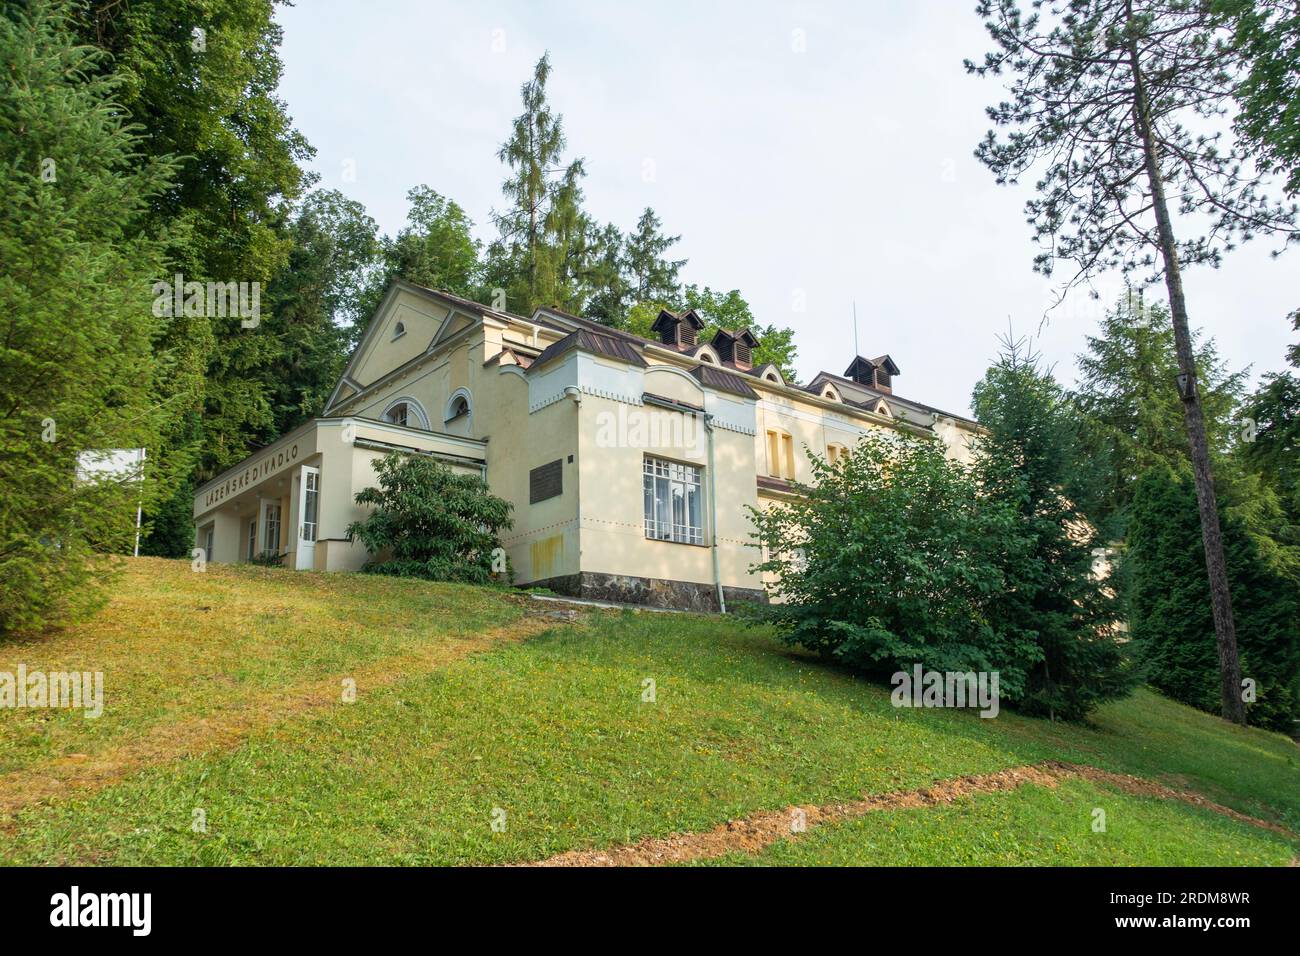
pixel 780 454
pixel 273 516
pixel 672 490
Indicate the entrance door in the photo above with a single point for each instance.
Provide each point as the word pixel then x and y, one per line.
pixel 308 517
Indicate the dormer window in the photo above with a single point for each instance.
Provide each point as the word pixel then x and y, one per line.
pixel 399 330
pixel 877 373
pixel 735 348
pixel 678 331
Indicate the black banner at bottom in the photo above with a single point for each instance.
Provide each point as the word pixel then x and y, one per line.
pixel 335 905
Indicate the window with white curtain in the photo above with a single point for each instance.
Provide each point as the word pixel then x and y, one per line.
pixel 271 539
pixel 673 501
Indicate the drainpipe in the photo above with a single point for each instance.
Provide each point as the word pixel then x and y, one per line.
pixel 713 513
pixel 575 393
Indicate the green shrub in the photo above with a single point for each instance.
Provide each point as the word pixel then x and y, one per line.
pixel 430 522
pixel 889 559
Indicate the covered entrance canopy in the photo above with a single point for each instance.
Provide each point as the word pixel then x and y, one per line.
pixel 294 499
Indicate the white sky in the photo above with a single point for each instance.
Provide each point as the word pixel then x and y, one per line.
pixel 839 173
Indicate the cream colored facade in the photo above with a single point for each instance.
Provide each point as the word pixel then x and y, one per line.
pixel 564 419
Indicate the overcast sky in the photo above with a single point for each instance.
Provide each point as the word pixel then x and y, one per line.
pixel 809 155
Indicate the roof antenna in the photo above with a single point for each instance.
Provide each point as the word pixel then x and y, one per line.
pixel 855 328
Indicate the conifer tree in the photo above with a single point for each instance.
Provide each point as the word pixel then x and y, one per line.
pixel 78 366
pixel 653 278
pixel 1169 611
pixel 530 259
pixel 1035 462
pixel 1135 419
pixel 1107 100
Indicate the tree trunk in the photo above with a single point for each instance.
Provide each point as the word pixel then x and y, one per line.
pixel 1233 707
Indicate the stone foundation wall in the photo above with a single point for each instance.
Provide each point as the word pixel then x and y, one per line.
pixel 654 592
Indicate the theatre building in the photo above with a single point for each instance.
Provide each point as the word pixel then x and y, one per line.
pixel 629 461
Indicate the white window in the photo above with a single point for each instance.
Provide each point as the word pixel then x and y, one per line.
pixel 252 539
pixel 397 414
pixel 309 504
pixel 271 540
pixel 673 502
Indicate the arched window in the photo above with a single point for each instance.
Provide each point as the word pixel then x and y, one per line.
pixel 399 330
pixel 706 357
pixel 407 412
pixel 460 403
pixel 398 414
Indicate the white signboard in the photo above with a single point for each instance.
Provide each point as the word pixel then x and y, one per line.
pixel 114 464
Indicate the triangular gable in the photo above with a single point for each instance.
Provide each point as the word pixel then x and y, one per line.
pixel 409 322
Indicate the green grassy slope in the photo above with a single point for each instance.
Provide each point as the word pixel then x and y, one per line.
pixel 555 733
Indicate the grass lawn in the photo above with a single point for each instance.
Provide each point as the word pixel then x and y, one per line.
pixel 222 695
pixel 1030 826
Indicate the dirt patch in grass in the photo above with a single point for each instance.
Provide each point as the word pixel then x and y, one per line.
pixel 758 831
pixel 239 718
pixel 1139 787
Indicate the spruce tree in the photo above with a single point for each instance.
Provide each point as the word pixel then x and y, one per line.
pixel 1170 616
pixel 78 366
pixel 1136 420
pixel 1035 461
pixel 652 276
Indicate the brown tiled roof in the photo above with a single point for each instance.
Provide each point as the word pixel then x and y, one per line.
pixel 890 398
pixel 723 381
pixel 594 342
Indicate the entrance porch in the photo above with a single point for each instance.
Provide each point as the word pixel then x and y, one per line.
pixel 293 500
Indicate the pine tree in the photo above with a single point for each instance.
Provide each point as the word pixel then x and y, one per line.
pixel 78 367
pixel 1035 461
pixel 1107 99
